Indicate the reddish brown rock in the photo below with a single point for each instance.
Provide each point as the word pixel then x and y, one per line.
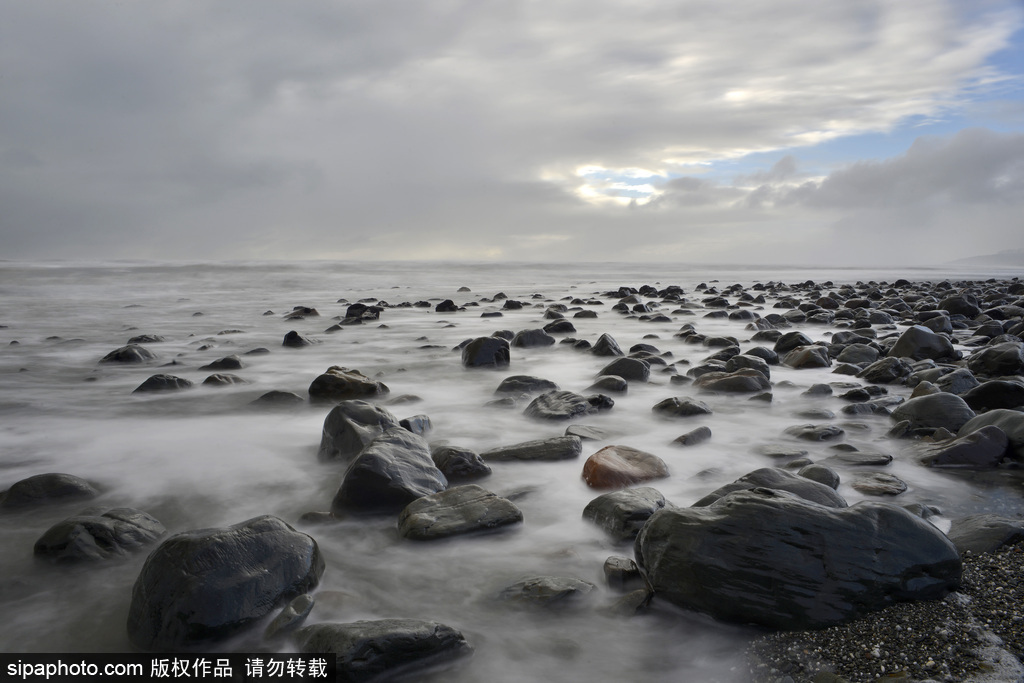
pixel 616 467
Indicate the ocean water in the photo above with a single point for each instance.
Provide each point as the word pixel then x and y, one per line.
pixel 204 457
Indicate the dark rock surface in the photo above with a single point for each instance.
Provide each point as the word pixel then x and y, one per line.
pixel 555 448
pixel 564 405
pixel 934 411
pixel 1010 421
pixel 780 480
pixel 525 384
pixel 681 406
pixel 199 588
pixel 351 426
pixel 41 489
pixel 1002 359
pixel 547 591
pixel 114 533
pixel 985 533
pixel 456 511
pixel 741 381
pixel 342 384
pixel 459 464
pixel 486 352
pixel 982 449
pixel 163 382
pixel 694 437
pixel 132 353
pixel 623 513
pixel 629 369
pixel 918 343
pixel 621 466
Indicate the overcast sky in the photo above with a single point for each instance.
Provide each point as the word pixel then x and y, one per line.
pixel 875 132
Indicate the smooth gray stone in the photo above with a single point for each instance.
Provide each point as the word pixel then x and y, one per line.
pixel 459 463
pixel 351 426
pixel 547 591
pixel 486 352
pixel 114 533
pixel 933 411
pixel 994 361
pixel 525 384
pixel 681 406
pixel 623 513
pixel 918 343
pixel 1010 421
pixel 556 448
pixel 458 510
pixel 878 484
pixel 52 487
pixel 343 384
pixel 132 353
pixel 982 449
pixel 629 369
pixel 780 480
pixel 163 382
pixel 985 533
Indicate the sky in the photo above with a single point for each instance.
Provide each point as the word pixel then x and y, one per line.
pixel 869 133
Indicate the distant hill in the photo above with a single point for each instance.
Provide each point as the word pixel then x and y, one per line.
pixel 1009 257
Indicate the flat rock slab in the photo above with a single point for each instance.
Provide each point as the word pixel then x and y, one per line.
pixel 458 510
pixel 858 459
pixel 878 484
pixel 556 448
pixel 623 513
pixel 199 588
pixel 380 650
pixel 621 466
pixel 560 405
pixel 982 449
pixel 547 591
pixel 771 558
pixel 114 533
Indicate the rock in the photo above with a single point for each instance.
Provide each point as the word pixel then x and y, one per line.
pixel 383 650
pixel 586 432
pixel 295 340
pixel 417 424
pixel 934 411
pixel 858 459
pixel 162 383
pixel 525 384
pixel 223 379
pixel 878 484
pixel 807 357
pixel 957 382
pixel 529 339
pixel 391 472
pixel 790 341
pixel 996 393
pixel 556 448
pixel 965 305
pixel 609 383
pixel 681 406
pixel 41 489
pixel 743 361
pixel 560 327
pixel 629 369
pixel 985 533
pixel 741 381
pixel 622 574
pixel 342 384
pixel 812 432
pixel 886 371
pixel 694 437
pixel 546 591
pixel 199 588
pixel 857 354
pixel 606 346
pixel 458 510
pixel 982 449
pixel 621 466
pixel 918 343
pixel 351 426
pixel 446 306
pixel 291 617
pixel 486 352
pixel 779 480
pixel 459 463
pixel 132 353
pixel 999 360
pixel 771 558
pixel 623 513
pixel 226 363
pixel 114 533
pixel 565 405
pixel 279 399
pixel 821 474
pixel 1010 421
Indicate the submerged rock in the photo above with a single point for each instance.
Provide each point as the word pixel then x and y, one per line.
pixel 555 448
pixel 114 533
pixel 52 487
pixel 351 426
pixel 163 382
pixel 458 510
pixel 547 591
pixel 779 480
pixel 623 513
pixel 342 384
pixel 132 353
pixel 934 411
pixel 621 466
pixel 459 463
pixel 486 352
pixel 565 405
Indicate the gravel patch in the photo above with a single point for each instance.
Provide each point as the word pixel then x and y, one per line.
pixel 974 634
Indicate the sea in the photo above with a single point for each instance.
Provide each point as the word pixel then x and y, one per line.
pixel 205 457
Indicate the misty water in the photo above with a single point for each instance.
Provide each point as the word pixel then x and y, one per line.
pixel 204 457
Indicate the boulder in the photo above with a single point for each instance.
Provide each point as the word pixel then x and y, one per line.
pixel 446 306
pixel 995 361
pixel 225 363
pixel 918 343
pixel 162 382
pixel 278 399
pixel 821 474
pixel 621 466
pixel 965 305
pixel 807 357
pixel 681 406
pixel 486 352
pixel 391 472
pixel 1010 421
pixel 546 591
pixel 455 511
pixel 530 339
pixel 606 346
pixel 629 369
pixel 985 533
pixel 565 405
pixel 525 384
pixel 132 353
pixel 560 327
pixel 933 411
pixel 771 558
pixel 623 513
pixel 382 650
pixel 114 533
pixel 223 379
pixel 857 354
pixel 745 361
pixel 886 371
pixel 52 487
pixel 878 484
pixel 351 426
pixel 790 341
pixel 813 432
pixel 996 393
pixel 609 383
pixel 693 437
pixel 958 382
pixel 982 449
pixel 295 340
pixel 459 463
pixel 342 384
pixel 741 381
pixel 779 480
pixel 199 588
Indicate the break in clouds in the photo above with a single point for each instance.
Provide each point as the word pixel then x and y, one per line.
pixel 541 131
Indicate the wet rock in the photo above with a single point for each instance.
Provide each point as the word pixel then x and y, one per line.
pixel 622 574
pixel 858 459
pixel 446 306
pixel 771 558
pixel 199 588
pixel 958 382
pixel 934 411
pixel 629 369
pixel 530 339
pixel 821 474
pixel 744 361
pixel 565 405
pixel 226 363
pixel 623 513
pixel 351 426
pixel 995 361
pixel 391 472
pixel 342 384
pixel 982 449
pixel 681 406
pixel 918 342
pixel 42 489
pixel 878 484
pixel 609 384
pixel 163 382
pixel 547 591
pixel 985 533
pixel 556 448
pixel 791 340
pixel 621 466
pixel 694 437
pixel 560 327
pixel 807 357
pixel 857 354
pixel 132 353
pixel 417 424
pixel 739 382
pixel 291 617
pixel 223 379
pixel 887 370
pixel 87 537
pixel 606 346
pixel 456 511
pixel 295 340
pixel 280 399
pixel 368 651
pixel 1010 421
pixel 459 463
pixel 964 305
pixel 995 394
pixel 780 480
pixel 486 352
pixel 813 432
pixel 525 384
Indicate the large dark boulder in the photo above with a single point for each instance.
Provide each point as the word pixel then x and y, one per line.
pixel 342 384
pixel 529 339
pixel 1010 421
pixel 382 650
pixel 606 346
pixel 456 511
pixel 623 513
pixel 458 463
pixel 995 361
pixel 52 487
pixel 741 381
pixel 555 448
pixel 982 449
pixel 996 393
pixel 918 343
pixel 965 305
pixel 163 382
pixel 771 558
pixel 791 340
pixel 351 426
pixel 391 472
pixel 525 384
pixel 486 352
pixel 629 369
pixel 985 533
pixel 807 357
pixel 933 411
pixel 780 480
pixel 114 533
pixel 199 588
pixel 565 405
pixel 132 353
